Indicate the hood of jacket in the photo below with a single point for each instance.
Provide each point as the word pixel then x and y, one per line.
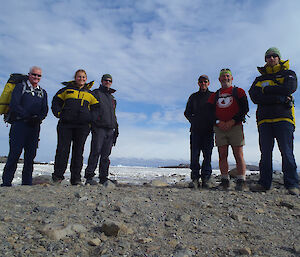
pixel 282 65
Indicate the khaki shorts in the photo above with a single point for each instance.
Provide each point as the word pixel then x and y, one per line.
pixel 233 137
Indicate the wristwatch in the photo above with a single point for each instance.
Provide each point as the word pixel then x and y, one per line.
pixel 217 122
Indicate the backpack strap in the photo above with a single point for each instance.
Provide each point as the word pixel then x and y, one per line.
pixel 234 94
pixel 217 96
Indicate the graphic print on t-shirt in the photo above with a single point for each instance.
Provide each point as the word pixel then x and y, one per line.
pixel 225 100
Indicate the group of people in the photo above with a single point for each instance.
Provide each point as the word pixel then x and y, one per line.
pixel 79 111
pixel 222 113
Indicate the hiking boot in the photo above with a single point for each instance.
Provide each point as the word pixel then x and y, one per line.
pixel 102 180
pixel 91 182
pixel 77 183
pixel 194 184
pixel 293 191
pixel 56 180
pixel 258 188
pixel 5 185
pixel 240 185
pixel 224 185
pixel 205 184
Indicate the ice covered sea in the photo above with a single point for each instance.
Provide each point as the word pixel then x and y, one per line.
pixel 124 174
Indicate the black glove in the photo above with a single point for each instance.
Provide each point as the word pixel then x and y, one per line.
pixel 33 121
pixel 115 136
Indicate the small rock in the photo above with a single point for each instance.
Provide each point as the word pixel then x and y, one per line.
pixel 103 237
pixel 237 217
pixel 260 211
pixel 169 224
pixel 109 184
pixel 173 243
pixel 42 179
pixel 78 194
pixel 153 248
pixel 84 198
pixel 45 209
pixel 110 228
pixel 244 251
pixel 183 253
pixel 145 240
pixel 158 183
pixel 126 230
pixel 94 242
pixel 58 232
pixel 286 204
pixel 184 218
pixel 6 219
pixel 296 248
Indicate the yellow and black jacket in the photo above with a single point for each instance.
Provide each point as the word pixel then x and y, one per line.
pixel 74 106
pixel 272 92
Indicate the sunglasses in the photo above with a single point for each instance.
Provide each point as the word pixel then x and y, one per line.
pixel 107 80
pixel 203 81
pixel 271 55
pixel 36 75
pixel 226 69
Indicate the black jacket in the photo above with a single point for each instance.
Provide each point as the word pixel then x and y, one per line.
pixel 74 106
pixel 198 113
pixel 271 92
pixel 106 114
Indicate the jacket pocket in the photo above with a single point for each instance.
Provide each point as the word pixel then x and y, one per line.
pixel 68 115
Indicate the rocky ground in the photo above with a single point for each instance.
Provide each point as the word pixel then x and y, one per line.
pixel 155 219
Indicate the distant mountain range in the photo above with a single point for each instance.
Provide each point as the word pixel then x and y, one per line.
pixel 180 163
pixel 167 163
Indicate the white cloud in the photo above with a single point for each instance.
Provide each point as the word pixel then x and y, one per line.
pixel 155 51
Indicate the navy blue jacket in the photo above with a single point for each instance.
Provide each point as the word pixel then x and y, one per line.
pixel 28 102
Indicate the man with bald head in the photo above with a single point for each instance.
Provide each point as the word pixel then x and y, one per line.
pixel 230 106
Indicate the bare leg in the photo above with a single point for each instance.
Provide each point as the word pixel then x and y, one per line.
pixel 223 163
pixel 239 158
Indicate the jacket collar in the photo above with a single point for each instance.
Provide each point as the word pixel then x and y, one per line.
pixel 283 65
pixel 72 84
pixel 106 89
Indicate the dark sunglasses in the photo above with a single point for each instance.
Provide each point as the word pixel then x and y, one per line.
pixel 271 55
pixel 203 81
pixel 107 80
pixel 35 75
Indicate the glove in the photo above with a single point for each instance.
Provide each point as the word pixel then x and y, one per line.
pixel 289 102
pixel 115 136
pixel 264 86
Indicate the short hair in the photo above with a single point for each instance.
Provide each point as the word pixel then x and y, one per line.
pixel 34 68
pixel 80 70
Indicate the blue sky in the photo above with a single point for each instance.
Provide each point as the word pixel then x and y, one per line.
pixel 155 51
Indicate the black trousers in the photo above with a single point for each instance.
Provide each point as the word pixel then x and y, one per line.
pixel 21 136
pixel 101 145
pixel 201 142
pixel 65 136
